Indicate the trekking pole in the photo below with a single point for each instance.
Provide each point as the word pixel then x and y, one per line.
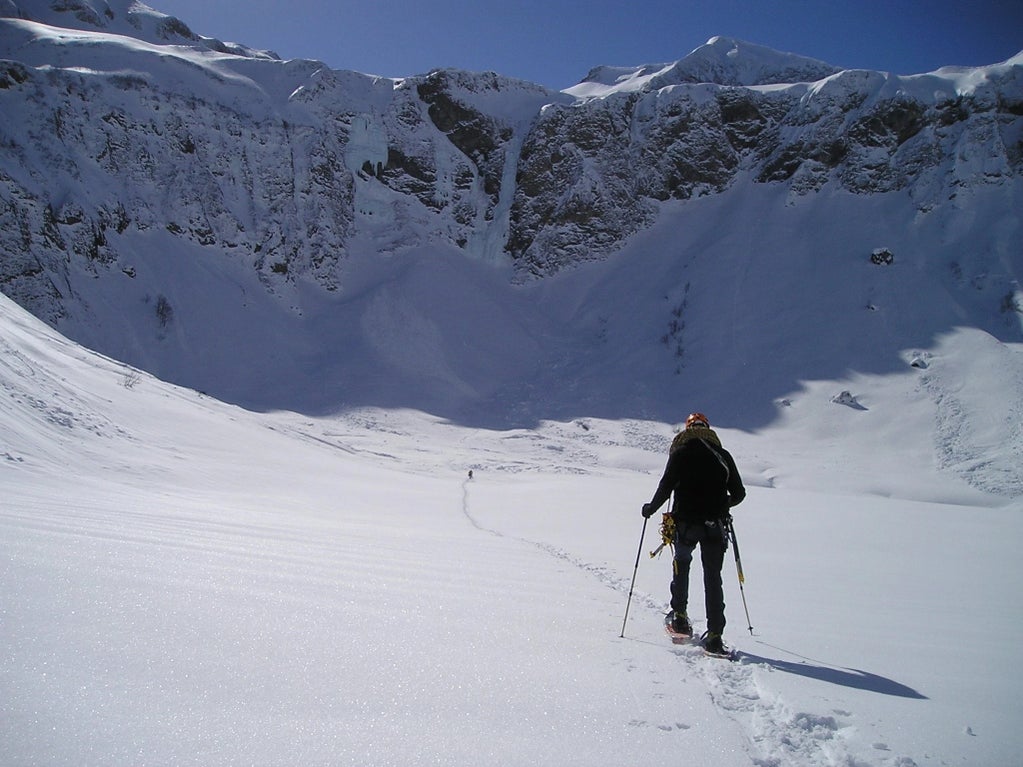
pixel 634 571
pixel 738 569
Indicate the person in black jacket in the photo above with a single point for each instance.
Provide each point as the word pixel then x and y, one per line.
pixel 706 483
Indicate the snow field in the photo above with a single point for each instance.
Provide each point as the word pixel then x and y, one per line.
pixel 187 582
pixel 158 627
pixel 849 598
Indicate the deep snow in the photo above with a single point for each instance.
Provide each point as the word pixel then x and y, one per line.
pixel 187 582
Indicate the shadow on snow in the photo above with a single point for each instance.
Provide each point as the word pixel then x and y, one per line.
pixel 846 677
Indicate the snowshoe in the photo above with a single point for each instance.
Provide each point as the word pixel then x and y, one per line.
pixel 678 627
pixel 714 646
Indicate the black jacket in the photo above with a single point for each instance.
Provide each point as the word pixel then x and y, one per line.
pixel 704 479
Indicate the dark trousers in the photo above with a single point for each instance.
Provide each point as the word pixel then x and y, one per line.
pixel 712 556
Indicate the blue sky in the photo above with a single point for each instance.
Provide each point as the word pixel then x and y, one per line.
pixel 556 42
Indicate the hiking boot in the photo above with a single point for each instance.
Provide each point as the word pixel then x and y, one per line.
pixel 680 624
pixel 713 643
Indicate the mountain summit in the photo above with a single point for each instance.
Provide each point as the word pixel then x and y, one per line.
pixel 720 61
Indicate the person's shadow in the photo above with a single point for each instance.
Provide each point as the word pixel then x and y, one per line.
pixel 847 677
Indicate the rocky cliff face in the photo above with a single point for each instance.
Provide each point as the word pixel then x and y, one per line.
pixel 109 134
pixel 287 166
pixel 592 171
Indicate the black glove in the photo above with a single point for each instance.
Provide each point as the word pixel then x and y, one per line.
pixel 648 510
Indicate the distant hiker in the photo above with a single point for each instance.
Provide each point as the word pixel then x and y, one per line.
pixel 706 484
pixel 470 473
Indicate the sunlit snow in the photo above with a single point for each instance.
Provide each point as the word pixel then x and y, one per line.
pixel 281 557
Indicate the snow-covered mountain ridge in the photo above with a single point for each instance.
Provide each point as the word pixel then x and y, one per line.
pixel 284 235
pixel 722 61
pixel 121 17
pixel 297 165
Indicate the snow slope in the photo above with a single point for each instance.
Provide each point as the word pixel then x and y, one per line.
pixel 189 583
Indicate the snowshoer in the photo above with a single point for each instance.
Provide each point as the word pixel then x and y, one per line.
pixel 706 483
